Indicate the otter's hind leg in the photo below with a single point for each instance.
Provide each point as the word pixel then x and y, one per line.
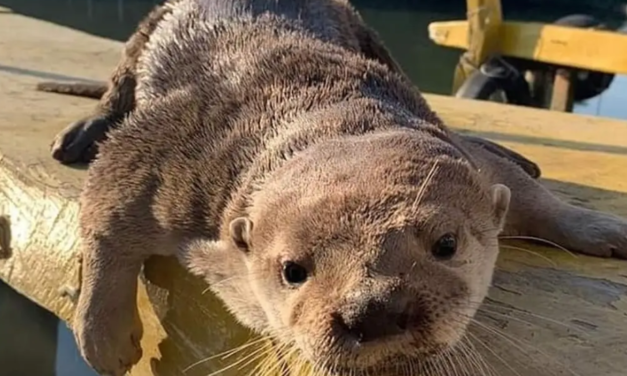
pixel 78 141
pixel 536 212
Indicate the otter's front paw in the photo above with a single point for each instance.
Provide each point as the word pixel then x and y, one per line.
pixel 599 234
pixel 78 141
pixel 109 344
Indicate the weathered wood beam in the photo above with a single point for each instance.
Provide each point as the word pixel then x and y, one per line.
pixel 583 159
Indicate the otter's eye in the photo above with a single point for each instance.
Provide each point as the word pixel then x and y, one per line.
pixel 293 273
pixel 445 248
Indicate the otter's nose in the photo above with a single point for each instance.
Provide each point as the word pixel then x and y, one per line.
pixel 374 322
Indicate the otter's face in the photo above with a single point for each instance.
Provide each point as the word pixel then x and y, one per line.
pixel 365 280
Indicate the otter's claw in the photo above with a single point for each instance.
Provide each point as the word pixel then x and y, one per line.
pixel 599 234
pixel 110 345
pixel 78 141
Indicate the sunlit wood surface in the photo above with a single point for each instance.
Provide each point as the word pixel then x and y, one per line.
pixel 549 313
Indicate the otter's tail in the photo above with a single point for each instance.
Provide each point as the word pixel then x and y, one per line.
pixel 81 89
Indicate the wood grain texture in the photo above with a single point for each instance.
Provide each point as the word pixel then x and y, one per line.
pixel 553 311
pixel 596 50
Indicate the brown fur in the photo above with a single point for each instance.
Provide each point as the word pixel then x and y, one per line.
pixel 255 139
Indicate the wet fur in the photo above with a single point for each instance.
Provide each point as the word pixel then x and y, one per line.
pixel 216 162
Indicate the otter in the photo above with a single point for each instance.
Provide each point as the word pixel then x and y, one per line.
pixel 279 142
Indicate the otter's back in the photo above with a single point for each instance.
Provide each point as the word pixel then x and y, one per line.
pixel 223 102
pixel 203 37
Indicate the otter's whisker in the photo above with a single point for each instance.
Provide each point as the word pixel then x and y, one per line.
pixel 254 356
pixel 480 358
pixel 523 237
pixel 258 277
pixel 537 254
pixel 259 365
pixel 261 357
pixel 476 357
pixel 409 365
pixel 450 357
pixel 302 367
pixel 227 353
pixel 263 365
pixel 413 367
pixel 438 363
pixel 479 306
pixel 425 185
pixel 485 309
pixel 317 369
pixel 405 367
pixel 461 359
pixel 230 279
pixel 275 365
pixel 206 290
pixel 505 363
pixel 518 345
pixel 465 359
pixel 446 363
pixel 430 366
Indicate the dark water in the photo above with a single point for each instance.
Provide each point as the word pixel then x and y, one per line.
pixel 34 343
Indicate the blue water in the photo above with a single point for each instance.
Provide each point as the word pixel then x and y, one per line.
pixel 610 104
pixel 68 361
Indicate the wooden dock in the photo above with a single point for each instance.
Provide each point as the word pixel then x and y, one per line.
pixel 549 313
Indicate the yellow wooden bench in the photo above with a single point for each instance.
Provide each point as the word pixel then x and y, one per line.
pixel 485 34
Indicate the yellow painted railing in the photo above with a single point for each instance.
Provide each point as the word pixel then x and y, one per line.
pixel 596 50
pixel 485 34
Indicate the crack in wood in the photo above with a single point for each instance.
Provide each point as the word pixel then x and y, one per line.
pixel 5 237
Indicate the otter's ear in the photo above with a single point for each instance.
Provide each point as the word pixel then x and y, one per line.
pixel 501 196
pixel 240 229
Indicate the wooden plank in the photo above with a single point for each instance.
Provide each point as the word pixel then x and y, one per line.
pixel 484 22
pixel 562 309
pixel 597 50
pixel 562 91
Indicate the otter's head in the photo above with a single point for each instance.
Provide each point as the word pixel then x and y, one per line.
pixel 366 253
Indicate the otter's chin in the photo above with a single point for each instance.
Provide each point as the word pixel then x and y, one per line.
pixel 387 356
pixel 391 365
